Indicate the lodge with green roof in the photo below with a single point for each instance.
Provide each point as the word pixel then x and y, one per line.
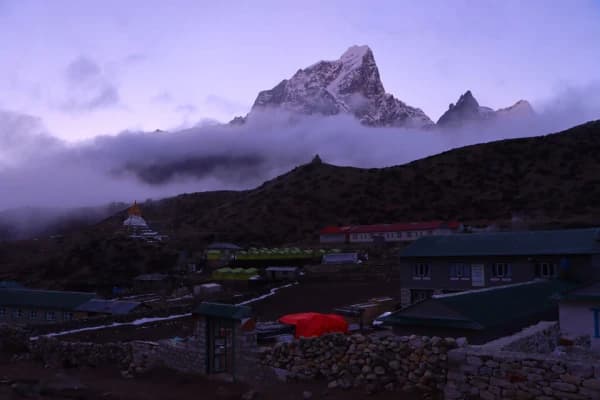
pixel 482 315
pixel 32 306
pixel 447 264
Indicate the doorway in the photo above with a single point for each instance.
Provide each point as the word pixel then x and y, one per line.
pixel 220 345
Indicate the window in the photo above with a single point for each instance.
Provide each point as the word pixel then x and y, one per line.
pixel 2 312
pixel 421 271
pixel 545 270
pixel 50 316
pixel 32 314
pixel 18 313
pixel 460 271
pixel 67 316
pixel 502 271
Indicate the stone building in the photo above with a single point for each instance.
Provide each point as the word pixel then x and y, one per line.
pixel 227 332
pixel 481 315
pixel 446 264
pixel 580 316
pixel 33 306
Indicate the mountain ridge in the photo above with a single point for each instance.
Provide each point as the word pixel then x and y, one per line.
pixel 352 85
pixel 467 109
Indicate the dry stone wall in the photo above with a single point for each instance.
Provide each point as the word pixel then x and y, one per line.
pixel 187 357
pixel 55 352
pixel 541 339
pixel 371 362
pixel 479 373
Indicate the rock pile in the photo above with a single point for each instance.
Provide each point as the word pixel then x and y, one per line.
pixel 369 362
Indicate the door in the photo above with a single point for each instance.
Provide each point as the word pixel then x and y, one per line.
pixel 220 346
pixel 478 275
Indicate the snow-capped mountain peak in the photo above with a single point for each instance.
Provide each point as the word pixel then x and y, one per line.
pixel 350 85
pixel 467 109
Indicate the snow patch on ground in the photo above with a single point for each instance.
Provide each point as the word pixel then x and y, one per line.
pixel 264 296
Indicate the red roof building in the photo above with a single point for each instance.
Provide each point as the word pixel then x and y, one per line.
pixel 400 232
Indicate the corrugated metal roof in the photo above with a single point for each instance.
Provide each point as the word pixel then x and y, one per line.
pixel 151 277
pixel 223 246
pixel 220 310
pixel 340 258
pixel 113 307
pixel 46 299
pixel 10 285
pixel 568 241
pixel 484 308
pixel 282 269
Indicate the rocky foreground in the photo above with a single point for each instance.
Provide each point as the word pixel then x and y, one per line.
pixel 369 362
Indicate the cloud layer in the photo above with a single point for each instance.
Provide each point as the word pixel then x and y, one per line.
pixel 38 170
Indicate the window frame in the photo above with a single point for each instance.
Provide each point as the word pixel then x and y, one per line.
pixel 550 266
pixel 459 272
pixel 422 271
pixel 50 315
pixel 505 268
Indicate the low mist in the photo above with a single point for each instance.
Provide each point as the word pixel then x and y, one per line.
pixel 37 170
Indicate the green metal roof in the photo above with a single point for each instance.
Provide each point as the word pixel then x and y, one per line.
pixel 220 310
pixel 567 242
pixel 46 299
pixel 486 308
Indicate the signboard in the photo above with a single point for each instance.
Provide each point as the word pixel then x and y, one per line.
pixel 478 275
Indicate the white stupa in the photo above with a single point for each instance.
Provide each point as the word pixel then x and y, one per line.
pixel 137 227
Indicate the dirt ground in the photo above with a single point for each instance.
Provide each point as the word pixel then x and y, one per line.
pixel 322 297
pixel 27 379
pixel 305 297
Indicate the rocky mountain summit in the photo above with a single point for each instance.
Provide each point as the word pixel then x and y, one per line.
pixel 349 85
pixel 467 109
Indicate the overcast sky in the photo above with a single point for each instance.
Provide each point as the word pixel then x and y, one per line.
pixel 87 68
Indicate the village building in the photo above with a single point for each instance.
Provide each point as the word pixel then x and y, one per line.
pixel 207 290
pixel 100 307
pixel 482 315
pixel 137 227
pixel 220 254
pixel 341 258
pixel 226 333
pixel 402 232
pixel 282 273
pixel 445 264
pixel 579 313
pixel 33 306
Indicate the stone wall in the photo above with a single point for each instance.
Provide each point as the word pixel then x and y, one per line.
pixel 490 374
pixel 541 338
pixel 57 353
pixel 371 362
pixel 187 357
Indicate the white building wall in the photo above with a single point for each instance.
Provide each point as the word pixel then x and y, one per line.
pixel 576 319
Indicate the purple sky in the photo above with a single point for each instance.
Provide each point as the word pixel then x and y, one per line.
pixel 88 68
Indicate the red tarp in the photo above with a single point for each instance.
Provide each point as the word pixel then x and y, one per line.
pixel 315 324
